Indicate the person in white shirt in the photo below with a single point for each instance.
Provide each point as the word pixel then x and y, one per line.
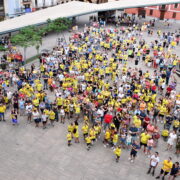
pixel 153 163
pixel 29 108
pixel 171 140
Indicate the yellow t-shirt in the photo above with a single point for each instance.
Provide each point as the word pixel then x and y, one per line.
pixel 167 166
pixel 2 109
pixel 69 136
pixel 145 138
pixel 117 151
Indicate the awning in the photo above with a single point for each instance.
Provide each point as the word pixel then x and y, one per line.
pixel 72 9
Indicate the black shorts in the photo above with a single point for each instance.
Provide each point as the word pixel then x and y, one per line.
pixel 162 171
pixel 133 153
pixel 142 144
pixel 38 120
pixel 161 115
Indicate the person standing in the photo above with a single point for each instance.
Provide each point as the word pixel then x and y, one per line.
pixel 36 117
pixel 171 140
pixel 154 161
pixel 167 166
pixel 135 147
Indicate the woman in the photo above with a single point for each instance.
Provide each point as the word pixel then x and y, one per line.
pixel 171 140
pixel 62 115
pixel 44 119
pixel 36 117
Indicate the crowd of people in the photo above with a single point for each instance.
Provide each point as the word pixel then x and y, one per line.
pixel 97 82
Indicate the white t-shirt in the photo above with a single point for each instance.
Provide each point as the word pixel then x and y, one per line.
pixel 154 160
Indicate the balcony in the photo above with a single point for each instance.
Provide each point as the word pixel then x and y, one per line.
pixel 26 2
pixel 163 8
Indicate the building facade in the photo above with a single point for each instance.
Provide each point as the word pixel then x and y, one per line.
pixel 2 10
pixel 162 12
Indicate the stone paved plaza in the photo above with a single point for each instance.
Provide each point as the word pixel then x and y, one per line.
pixel 29 153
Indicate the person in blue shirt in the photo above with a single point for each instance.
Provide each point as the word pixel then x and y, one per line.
pixel 134 149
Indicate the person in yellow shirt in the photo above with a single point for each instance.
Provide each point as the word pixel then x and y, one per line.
pixel 52 117
pixel 115 139
pixel 137 123
pixel 144 137
pixel 76 134
pixel 117 152
pixel 77 110
pixel 176 125
pixel 36 102
pixel 85 128
pixel 88 142
pixel 69 138
pixel 107 137
pixel 167 166
pixel 39 87
pixel 2 111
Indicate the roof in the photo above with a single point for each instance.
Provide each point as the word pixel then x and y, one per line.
pixel 72 9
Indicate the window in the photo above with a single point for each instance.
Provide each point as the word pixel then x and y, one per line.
pixel 176 5
pixel 27 6
pixel 151 12
pixel 174 15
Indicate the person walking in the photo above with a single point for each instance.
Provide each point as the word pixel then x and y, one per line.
pixel 175 171
pixel 167 166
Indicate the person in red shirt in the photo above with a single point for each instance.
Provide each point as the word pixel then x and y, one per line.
pixel 107 120
pixel 146 122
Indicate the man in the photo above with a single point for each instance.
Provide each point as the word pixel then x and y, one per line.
pixel 175 171
pixel 133 132
pixel 144 139
pixel 153 163
pixel 167 166
pixel 134 150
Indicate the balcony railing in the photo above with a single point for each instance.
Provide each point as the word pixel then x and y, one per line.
pixel 26 2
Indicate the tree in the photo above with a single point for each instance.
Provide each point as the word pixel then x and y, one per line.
pixel 27 37
pixel 2 48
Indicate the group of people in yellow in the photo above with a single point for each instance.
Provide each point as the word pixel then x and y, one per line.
pixel 96 74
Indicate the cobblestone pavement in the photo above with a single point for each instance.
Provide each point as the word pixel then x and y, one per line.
pixel 29 153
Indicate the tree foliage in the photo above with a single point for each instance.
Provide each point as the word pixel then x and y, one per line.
pixel 32 35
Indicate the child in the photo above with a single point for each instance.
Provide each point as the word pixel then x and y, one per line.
pixel 115 139
pixel 44 119
pixel 69 138
pixel 85 130
pixel 107 137
pixel 99 130
pixel 88 142
pixel 14 117
pixel 150 144
pixel 92 134
pixel 76 135
pixel 71 128
pixel 123 139
pixel 117 152
pixel 128 141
